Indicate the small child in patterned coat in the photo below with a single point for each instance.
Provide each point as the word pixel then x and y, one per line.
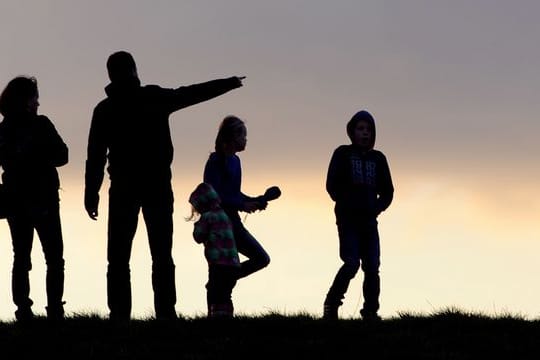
pixel 214 230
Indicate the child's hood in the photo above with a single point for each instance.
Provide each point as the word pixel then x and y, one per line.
pixel 365 116
pixel 204 198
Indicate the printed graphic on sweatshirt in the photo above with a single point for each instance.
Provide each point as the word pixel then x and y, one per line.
pixel 363 171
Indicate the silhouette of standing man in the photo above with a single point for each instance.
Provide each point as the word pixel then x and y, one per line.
pixel 130 130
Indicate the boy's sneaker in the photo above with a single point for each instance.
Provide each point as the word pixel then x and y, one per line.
pixel 55 312
pixel 370 316
pixel 330 312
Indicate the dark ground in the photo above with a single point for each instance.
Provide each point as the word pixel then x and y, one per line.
pixel 445 335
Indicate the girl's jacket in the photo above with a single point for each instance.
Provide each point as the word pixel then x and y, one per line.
pixel 214 229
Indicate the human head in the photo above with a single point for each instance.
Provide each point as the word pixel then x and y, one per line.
pixel 20 96
pixel 121 67
pixel 204 198
pixel 354 127
pixel 231 136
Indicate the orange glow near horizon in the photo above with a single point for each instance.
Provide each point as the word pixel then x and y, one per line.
pixel 441 246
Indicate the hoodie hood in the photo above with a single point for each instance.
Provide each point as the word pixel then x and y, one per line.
pixel 359 116
pixel 204 198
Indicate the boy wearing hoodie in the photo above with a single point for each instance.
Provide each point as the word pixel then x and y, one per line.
pixel 360 184
pixel 215 230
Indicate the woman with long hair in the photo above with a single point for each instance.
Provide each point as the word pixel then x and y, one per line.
pixel 30 152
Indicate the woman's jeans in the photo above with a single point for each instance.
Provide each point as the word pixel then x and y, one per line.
pixel 47 225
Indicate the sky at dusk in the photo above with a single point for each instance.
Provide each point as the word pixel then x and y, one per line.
pixel 453 86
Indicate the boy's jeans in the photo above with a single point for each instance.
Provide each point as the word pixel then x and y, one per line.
pixel 358 245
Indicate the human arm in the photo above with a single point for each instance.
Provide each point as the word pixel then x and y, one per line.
pixel 270 194
pixel 95 164
pixel 200 231
pixel 334 177
pixel 253 205
pixel 224 174
pixel 55 150
pixel 385 187
pixel 4 146
pixel 185 96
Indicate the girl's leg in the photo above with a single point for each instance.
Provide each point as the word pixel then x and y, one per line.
pixel 221 281
pixel 249 247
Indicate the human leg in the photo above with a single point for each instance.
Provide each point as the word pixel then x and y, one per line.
pixel 49 231
pixel 157 212
pixel 22 233
pixel 370 255
pixel 350 255
pixel 248 246
pixel 221 281
pixel 122 225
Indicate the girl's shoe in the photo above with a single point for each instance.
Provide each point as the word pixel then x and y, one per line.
pixel 330 312
pixel 222 311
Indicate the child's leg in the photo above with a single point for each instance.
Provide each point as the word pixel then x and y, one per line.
pixel 350 254
pixel 370 254
pixel 211 287
pixel 249 247
pixel 221 282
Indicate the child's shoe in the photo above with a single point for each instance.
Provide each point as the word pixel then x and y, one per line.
pixel 330 312
pixel 55 312
pixel 370 316
pixel 221 311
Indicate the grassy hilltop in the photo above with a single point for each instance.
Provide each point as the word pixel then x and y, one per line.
pixel 449 334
